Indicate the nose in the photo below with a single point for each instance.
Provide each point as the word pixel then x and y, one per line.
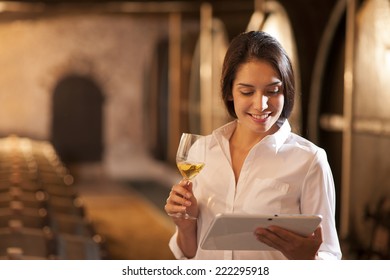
pixel 261 101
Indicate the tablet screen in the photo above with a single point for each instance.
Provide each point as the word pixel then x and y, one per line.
pixel 236 231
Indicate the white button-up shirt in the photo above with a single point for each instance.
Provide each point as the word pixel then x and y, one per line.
pixel 282 174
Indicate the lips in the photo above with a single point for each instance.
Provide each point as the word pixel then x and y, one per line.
pixel 260 117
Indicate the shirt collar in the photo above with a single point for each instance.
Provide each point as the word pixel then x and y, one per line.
pixel 275 140
pixel 279 137
pixel 223 133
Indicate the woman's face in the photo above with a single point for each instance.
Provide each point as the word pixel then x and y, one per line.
pixel 258 97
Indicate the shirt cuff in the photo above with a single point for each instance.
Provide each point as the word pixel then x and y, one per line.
pixel 326 256
pixel 175 248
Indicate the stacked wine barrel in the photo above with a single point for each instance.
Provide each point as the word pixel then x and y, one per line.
pixel 41 214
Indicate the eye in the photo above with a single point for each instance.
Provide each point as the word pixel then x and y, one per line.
pixel 246 92
pixel 273 90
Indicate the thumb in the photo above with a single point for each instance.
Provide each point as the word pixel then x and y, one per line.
pixel 189 186
pixel 317 234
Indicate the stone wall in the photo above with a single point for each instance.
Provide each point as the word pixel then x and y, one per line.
pixel 112 50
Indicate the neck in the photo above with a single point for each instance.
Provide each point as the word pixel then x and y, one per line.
pixel 245 139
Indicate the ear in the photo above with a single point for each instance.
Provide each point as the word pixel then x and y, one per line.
pixel 230 98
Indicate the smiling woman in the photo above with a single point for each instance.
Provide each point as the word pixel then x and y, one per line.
pixel 258 101
pixel 262 167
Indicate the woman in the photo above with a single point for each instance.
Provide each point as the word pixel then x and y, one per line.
pixel 256 165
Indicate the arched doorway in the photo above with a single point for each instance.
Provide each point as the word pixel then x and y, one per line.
pixel 76 129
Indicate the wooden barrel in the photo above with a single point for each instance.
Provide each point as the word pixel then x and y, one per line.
pixel 206 109
pixel 348 113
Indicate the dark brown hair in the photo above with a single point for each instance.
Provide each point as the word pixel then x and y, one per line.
pixel 257 45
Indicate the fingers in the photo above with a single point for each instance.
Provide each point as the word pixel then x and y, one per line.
pixel 272 237
pixel 179 197
pixel 292 245
pixel 317 235
pixel 183 188
pixel 171 208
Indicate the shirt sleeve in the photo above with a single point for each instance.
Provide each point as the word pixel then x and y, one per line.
pixel 318 197
pixel 175 248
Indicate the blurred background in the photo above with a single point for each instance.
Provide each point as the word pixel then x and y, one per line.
pixel 94 96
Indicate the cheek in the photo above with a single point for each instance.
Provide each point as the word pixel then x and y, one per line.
pixel 240 104
pixel 279 102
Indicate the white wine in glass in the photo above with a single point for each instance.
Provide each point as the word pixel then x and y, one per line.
pixel 189 170
pixel 190 159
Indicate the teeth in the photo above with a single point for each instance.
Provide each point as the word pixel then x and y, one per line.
pixel 260 117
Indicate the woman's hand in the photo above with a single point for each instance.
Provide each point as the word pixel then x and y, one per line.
pixel 293 246
pixel 181 199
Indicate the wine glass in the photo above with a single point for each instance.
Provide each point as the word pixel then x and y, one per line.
pixel 190 160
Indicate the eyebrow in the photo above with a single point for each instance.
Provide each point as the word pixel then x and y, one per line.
pixel 269 85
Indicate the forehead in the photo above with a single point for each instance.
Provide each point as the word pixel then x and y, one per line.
pixel 256 71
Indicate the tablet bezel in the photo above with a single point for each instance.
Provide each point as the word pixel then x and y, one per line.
pixel 236 231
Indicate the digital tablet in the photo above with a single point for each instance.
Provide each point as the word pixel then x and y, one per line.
pixel 236 231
